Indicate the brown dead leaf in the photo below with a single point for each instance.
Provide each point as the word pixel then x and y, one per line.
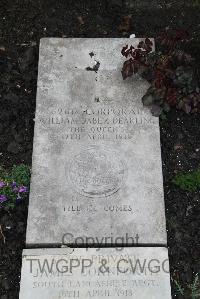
pixel 2 235
pixel 178 147
pixel 125 24
pixel 81 21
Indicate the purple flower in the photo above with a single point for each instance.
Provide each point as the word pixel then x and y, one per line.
pixel 14 187
pixel 3 198
pixel 23 189
pixel 14 184
pixel 2 184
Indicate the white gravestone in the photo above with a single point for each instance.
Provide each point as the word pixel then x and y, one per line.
pixel 97 169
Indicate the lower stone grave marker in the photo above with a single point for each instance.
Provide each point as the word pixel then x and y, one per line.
pixel 96 173
pixel 138 273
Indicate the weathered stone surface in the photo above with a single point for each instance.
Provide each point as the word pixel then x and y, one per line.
pixel 137 273
pixel 96 161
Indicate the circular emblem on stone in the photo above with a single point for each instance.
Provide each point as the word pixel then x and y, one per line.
pixel 96 172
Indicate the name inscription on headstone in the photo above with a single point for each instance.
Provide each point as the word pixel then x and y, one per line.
pixel 99 124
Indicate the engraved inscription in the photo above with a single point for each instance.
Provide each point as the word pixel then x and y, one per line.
pixel 107 124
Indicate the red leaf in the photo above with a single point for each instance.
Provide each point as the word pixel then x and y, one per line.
pixel 141 44
pixel 181 35
pixel 128 69
pixel 171 96
pixel 148 42
pixel 124 51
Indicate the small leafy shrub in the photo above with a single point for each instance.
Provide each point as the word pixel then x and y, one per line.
pixel 172 73
pixel 189 181
pixel 190 291
pixel 14 185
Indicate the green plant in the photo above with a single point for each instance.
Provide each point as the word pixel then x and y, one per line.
pixel 195 288
pixel 21 174
pixel 172 73
pixel 14 185
pixel 189 181
pixel 192 291
pixel 179 288
pixel 195 3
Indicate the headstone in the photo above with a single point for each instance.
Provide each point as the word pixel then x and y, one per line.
pixel 136 273
pixel 97 172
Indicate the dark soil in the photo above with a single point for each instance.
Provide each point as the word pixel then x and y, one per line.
pixel 22 24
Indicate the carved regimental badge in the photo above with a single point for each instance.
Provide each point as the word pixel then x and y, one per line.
pixel 96 172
